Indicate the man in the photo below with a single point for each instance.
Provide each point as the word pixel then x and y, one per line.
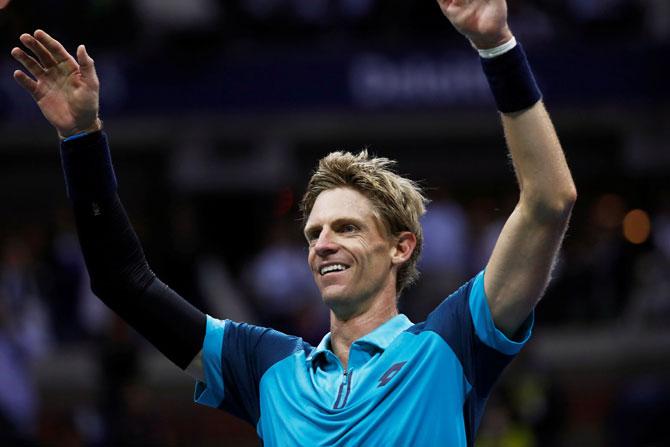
pixel 376 378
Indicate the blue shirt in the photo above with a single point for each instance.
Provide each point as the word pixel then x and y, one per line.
pixel 407 384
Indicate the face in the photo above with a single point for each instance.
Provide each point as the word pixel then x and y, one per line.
pixel 350 255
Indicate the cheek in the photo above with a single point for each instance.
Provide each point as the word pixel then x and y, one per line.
pixel 377 254
pixel 310 259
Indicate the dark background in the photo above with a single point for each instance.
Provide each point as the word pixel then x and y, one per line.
pixel 217 112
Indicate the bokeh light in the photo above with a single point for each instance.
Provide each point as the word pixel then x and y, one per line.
pixel 636 226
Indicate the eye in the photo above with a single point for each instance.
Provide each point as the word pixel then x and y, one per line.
pixel 348 228
pixel 312 236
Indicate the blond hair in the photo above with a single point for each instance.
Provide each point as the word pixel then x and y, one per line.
pixel 398 201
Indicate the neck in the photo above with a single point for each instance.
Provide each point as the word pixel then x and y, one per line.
pixel 345 330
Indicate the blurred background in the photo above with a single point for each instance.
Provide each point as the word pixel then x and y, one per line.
pixel 217 112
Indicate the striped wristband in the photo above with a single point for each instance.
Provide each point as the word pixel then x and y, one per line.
pixel 510 77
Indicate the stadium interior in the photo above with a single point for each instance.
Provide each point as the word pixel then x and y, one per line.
pixel 217 111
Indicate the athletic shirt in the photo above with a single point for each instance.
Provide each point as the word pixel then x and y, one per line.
pixel 406 384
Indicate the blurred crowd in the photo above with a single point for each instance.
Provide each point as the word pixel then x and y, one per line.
pixel 240 23
pixel 612 273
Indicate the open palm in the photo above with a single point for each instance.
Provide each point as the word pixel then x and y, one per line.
pixel 66 90
pixel 484 22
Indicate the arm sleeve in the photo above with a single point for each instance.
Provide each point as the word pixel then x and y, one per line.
pixel 120 274
pixel 235 356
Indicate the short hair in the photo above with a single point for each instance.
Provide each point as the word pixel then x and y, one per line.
pixel 399 202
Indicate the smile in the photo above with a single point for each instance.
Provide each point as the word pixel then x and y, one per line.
pixel 332 268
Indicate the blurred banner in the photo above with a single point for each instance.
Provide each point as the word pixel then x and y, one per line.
pixel 578 76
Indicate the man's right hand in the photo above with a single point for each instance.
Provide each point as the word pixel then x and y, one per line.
pixel 66 90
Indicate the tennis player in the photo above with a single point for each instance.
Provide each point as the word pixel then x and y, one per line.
pixel 376 378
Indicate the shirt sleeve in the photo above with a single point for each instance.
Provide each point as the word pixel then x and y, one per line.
pixel 464 321
pixel 485 328
pixel 210 391
pixel 235 356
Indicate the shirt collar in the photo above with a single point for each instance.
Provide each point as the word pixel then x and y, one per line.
pixel 380 338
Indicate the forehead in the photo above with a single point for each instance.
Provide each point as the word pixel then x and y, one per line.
pixel 339 203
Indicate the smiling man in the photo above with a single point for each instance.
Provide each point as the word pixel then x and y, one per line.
pixel 376 378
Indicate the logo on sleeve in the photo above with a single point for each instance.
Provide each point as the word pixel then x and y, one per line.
pixel 390 373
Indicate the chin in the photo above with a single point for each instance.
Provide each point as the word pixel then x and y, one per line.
pixel 341 303
pixel 334 296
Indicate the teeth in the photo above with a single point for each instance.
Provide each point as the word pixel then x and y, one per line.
pixel 332 268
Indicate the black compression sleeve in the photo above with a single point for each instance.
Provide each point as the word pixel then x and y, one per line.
pixel 120 275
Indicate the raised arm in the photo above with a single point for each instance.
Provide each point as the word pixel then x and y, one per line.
pixel 520 266
pixel 67 91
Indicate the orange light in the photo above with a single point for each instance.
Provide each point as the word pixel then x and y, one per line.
pixel 636 226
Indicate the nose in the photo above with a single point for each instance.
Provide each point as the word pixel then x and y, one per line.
pixel 325 245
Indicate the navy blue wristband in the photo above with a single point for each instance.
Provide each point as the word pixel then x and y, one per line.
pixel 87 165
pixel 511 80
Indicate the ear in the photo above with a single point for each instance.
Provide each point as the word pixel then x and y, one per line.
pixel 405 244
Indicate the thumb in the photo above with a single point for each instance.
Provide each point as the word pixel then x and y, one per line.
pixel 86 64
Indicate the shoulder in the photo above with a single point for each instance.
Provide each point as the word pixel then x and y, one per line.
pixel 464 319
pixel 251 344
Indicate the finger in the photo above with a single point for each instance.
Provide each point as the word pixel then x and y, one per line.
pixel 86 63
pixel 27 61
pixel 57 51
pixel 26 82
pixel 39 50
